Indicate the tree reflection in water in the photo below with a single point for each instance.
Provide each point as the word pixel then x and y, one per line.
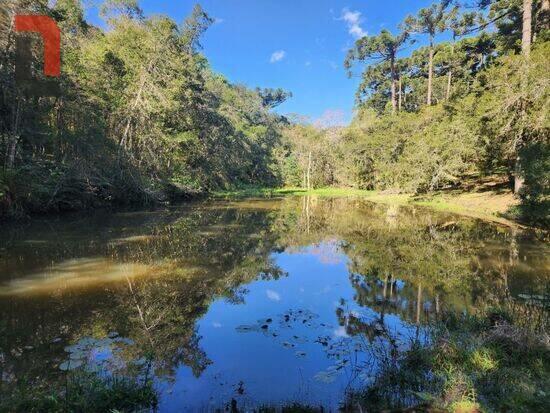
pixel 403 263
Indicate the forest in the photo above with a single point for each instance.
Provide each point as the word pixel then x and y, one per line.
pixel 141 118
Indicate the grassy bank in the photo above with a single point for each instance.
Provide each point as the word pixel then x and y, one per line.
pixel 495 205
pixel 487 362
pixel 81 392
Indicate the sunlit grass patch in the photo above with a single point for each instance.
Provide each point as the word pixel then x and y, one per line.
pixel 465 406
pixel 483 360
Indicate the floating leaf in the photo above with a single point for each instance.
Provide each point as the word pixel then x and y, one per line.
pixel 246 328
pixel 70 365
pixel 325 376
pixel 74 347
pixel 77 355
pixel 86 341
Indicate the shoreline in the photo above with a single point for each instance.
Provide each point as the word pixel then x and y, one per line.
pixel 492 206
pixel 488 205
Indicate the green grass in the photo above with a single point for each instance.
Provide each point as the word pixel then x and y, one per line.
pixel 322 192
pixel 433 201
pixel 81 392
pixel 486 362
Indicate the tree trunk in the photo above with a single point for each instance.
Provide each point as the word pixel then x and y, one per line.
pixel 309 172
pixel 450 74
pixel 430 72
pixel 526 30
pixel 13 137
pixel 525 50
pixel 12 150
pixel 449 80
pixel 400 93
pixel 518 179
pixel 393 86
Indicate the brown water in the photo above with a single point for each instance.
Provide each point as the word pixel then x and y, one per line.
pixel 261 301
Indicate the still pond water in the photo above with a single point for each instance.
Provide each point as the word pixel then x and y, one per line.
pixel 260 301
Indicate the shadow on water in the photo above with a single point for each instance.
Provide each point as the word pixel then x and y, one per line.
pixel 251 303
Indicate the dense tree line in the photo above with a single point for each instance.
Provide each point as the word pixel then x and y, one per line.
pixel 140 118
pixel 474 104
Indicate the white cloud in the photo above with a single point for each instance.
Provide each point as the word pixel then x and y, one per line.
pixel 308 63
pixel 273 295
pixel 353 21
pixel 215 324
pixel 217 20
pixel 277 56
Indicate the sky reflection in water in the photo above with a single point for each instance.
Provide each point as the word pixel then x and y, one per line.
pixel 265 302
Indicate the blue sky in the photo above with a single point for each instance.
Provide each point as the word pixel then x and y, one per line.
pixel 299 45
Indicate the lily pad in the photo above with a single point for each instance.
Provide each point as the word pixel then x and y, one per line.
pixel 70 365
pixel 246 328
pixel 325 376
pixel 78 355
pixel 73 348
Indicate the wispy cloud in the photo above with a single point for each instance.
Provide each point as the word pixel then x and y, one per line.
pixel 353 21
pixel 218 20
pixel 277 56
pixel 308 63
pixel 273 295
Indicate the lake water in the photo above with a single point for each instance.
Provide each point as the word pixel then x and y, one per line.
pixel 264 302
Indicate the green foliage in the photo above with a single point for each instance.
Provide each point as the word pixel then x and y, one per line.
pixel 273 97
pixel 535 206
pixel 83 392
pixel 490 115
pixel 141 117
pixel 472 364
pixel 429 20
